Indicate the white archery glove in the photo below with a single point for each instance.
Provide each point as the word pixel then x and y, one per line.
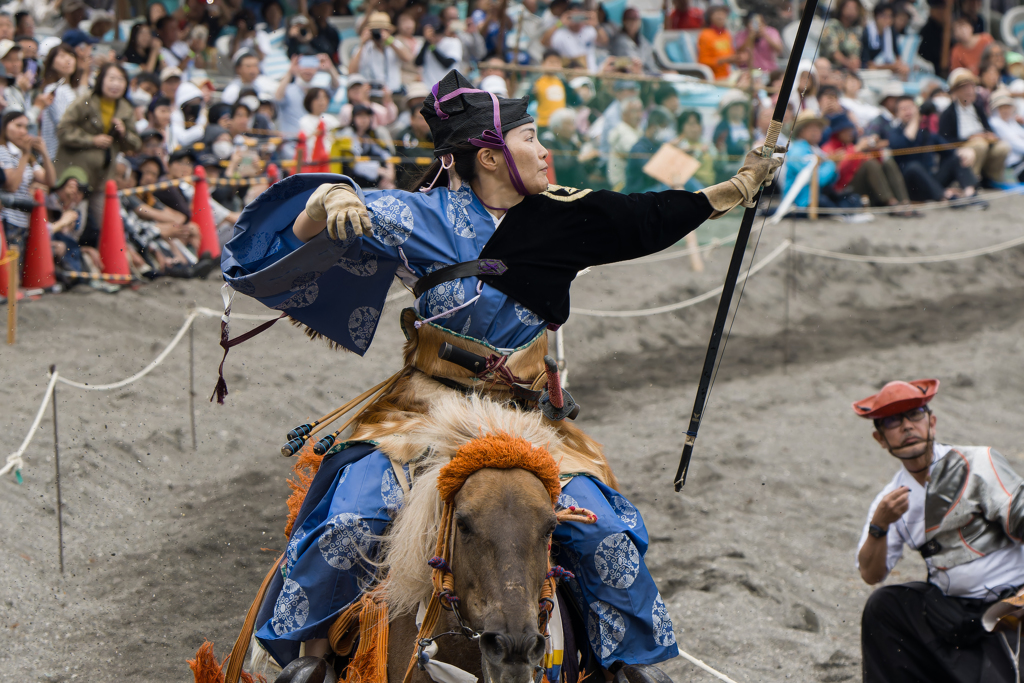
pixel 339 205
pixel 743 187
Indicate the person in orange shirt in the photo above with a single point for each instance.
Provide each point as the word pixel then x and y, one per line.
pixel 714 45
pixel 969 46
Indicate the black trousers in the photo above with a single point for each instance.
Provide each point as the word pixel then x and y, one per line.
pixel 925 186
pixel 905 639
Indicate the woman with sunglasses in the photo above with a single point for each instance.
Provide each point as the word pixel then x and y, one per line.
pixel 962 508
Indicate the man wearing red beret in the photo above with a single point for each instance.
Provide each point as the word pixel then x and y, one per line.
pixel 962 508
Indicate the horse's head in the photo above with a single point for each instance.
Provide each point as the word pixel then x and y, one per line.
pixel 502 537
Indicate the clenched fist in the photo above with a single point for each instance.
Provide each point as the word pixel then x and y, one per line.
pixel 338 205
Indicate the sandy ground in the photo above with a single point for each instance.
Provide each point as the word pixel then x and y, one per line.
pixel 165 546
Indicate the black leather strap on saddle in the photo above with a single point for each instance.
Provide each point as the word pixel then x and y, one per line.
pixel 484 266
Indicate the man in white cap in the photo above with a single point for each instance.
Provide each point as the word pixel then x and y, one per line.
pixel 962 509
pixel 965 121
pixel 1004 124
pixel 359 93
pixel 247 75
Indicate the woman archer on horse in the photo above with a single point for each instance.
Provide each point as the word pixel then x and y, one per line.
pixel 490 250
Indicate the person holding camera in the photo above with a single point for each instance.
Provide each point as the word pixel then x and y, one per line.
pixel 576 35
pixel 291 91
pixel 379 57
pixel 442 51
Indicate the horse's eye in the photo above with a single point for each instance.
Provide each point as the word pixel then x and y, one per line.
pixel 462 526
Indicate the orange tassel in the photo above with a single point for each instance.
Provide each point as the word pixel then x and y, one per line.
pixel 205 668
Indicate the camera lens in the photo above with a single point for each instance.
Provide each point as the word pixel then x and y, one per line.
pixel 376 34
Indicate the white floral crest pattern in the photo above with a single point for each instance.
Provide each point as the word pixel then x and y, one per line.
pixel 361 324
pixel 456 212
pixel 625 511
pixel 526 316
pixel 617 561
pixel 664 633
pixel 345 540
pixel 567 501
pixel 291 554
pixel 465 328
pixel 446 295
pixel 605 627
pixel 291 609
pixel 392 220
pixel 391 492
pixel 364 266
pixel 306 291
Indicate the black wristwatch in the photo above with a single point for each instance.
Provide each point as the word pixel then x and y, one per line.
pixel 877 531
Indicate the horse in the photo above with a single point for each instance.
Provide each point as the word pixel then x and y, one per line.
pixel 473 536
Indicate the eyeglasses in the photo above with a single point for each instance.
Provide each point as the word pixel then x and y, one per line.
pixel 894 421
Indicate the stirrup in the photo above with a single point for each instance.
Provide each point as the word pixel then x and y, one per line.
pixel 641 673
pixel 307 670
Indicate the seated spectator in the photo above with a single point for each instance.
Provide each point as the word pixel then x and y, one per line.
pixel 143 48
pixel 970 11
pixel 175 50
pixel 966 54
pixel 714 44
pixel 359 93
pixel 19 91
pixel 24 24
pixel 621 139
pixel 840 37
pixel 685 17
pixel 246 38
pixel 380 57
pixel 693 143
pixel 442 51
pixel 188 117
pixel 316 104
pixel 147 82
pixel 879 49
pixel 867 175
pixel 563 144
pixel 630 43
pixel 158 116
pixel 272 13
pixel 406 35
pixel 860 112
pixel 153 143
pixel 965 121
pixel 732 134
pixel 204 55
pixel 374 169
pixel 828 102
pixel 995 56
pixel 258 118
pixel 300 36
pixel 549 89
pixel 886 118
pixel 926 180
pixel 181 167
pixel 24 159
pixel 494 78
pixel 1004 124
pixel 584 93
pixel 30 49
pixel 667 98
pixel 988 83
pixel 762 42
pixel 160 235
pixel 94 130
pixel 170 79
pixel 247 75
pixel 641 153
pixel 415 142
pixel 804 150
pixel 67 215
pixel 577 36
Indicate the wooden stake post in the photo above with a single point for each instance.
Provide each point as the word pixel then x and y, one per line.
pixel 12 294
pixel 812 210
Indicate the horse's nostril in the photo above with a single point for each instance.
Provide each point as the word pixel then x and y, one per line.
pixel 533 647
pixel 492 644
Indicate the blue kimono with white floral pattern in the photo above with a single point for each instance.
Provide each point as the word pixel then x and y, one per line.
pixel 338 288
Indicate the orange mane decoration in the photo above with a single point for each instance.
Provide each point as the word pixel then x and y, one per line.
pixel 501 451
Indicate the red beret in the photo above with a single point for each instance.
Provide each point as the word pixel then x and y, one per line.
pixel 897 397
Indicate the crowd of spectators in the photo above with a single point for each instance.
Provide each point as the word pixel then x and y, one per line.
pixel 233 85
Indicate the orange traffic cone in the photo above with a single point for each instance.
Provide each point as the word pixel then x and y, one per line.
pixel 38 269
pixel 202 214
pixel 321 158
pixel 300 152
pixel 273 173
pixel 113 250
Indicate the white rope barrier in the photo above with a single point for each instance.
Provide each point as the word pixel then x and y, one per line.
pixel 14 460
pixel 696 662
pixel 896 260
pixel 778 251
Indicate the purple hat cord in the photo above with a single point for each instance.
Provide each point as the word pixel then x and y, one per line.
pixel 491 139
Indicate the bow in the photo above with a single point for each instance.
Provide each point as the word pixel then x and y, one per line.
pixel 739 250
